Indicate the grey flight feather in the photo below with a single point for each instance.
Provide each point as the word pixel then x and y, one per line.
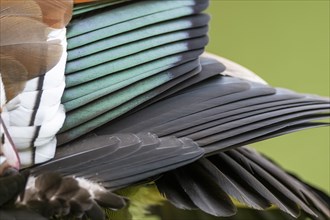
pixel 121 159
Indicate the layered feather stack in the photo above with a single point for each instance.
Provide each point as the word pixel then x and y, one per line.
pixel 142 105
pixel 128 54
pixel 33 57
pixel 220 114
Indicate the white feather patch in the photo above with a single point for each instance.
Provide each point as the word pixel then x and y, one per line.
pixel 90 186
pixel 26 157
pixel 52 79
pixel 7 148
pixel 42 153
pixel 23 116
pixel 2 93
pixel 28 100
pixel 45 152
pixel 24 135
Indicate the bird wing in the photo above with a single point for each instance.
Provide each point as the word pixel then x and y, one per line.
pixel 170 108
pixel 246 176
pixel 122 159
pixel 32 62
pixel 220 115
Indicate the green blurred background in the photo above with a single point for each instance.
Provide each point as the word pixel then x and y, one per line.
pixel 287 44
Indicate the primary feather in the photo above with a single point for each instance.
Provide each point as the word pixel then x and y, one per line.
pixel 134 67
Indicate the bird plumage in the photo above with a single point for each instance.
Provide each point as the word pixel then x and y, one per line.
pixel 138 103
pixel 32 72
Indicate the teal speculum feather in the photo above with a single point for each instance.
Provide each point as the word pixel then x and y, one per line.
pixel 139 47
pixel 145 74
pixel 142 105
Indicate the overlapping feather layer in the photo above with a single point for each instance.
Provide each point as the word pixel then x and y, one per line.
pixel 33 57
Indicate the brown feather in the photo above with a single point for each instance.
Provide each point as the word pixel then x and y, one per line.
pixel 26 8
pixel 16 80
pixel 56 13
pixel 25 51
pixel 83 1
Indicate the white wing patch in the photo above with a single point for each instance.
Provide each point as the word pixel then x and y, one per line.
pixel 35 116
